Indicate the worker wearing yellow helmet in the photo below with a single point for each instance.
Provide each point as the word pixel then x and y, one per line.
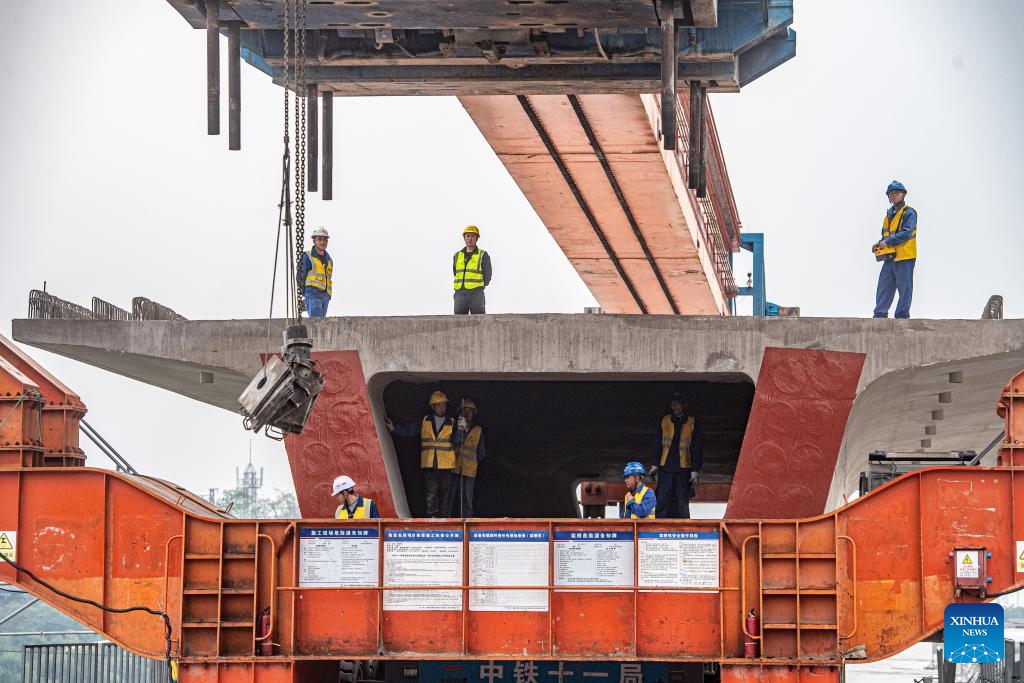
pixel 437 453
pixel 471 267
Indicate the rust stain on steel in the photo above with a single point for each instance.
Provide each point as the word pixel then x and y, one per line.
pixel 340 438
pixel 792 441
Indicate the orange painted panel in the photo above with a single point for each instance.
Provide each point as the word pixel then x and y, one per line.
pixel 433 633
pixel 590 623
pixel 678 625
pixel 344 621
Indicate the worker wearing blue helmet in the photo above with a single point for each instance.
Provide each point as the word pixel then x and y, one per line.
pixel 897 250
pixel 640 501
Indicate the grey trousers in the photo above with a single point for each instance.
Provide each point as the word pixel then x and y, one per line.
pixel 470 301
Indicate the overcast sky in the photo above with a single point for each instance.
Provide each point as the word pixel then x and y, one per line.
pixel 110 187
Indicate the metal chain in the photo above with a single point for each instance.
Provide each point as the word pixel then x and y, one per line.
pixel 300 139
pixel 285 193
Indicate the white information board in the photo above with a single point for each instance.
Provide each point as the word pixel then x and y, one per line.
pixel 678 558
pixel 594 558
pixel 500 557
pixel 339 556
pixel 422 557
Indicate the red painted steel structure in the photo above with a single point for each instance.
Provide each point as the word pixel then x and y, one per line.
pixel 795 430
pixel 340 438
pixel 876 573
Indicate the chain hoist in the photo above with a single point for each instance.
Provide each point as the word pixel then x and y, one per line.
pixel 280 398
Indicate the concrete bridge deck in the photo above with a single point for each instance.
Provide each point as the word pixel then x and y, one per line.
pixel 568 397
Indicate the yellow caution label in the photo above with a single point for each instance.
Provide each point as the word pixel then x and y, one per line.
pixel 8 540
pixel 967 559
pixel 1020 557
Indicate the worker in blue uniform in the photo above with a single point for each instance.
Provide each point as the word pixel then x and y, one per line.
pixel 352 505
pixel 640 502
pixel 680 455
pixel 897 250
pixel 314 276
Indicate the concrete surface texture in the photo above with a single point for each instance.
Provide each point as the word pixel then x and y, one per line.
pixel 926 384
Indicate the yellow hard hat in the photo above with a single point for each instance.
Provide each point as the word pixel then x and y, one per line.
pixel 468 403
pixel 471 230
pixel 437 397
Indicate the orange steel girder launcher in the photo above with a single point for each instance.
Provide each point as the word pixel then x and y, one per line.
pixel 875 573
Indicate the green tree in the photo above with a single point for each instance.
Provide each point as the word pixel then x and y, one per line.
pixel 247 504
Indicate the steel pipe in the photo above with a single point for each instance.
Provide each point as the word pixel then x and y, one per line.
pixel 328 145
pixel 213 67
pixel 311 137
pixel 669 68
pixel 234 87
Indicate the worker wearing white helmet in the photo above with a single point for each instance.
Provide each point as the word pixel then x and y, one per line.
pixel 471 267
pixel 437 453
pixel 351 505
pixel 315 273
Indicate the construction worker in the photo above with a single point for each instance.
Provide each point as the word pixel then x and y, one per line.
pixel 640 502
pixel 437 452
pixel 314 275
pixel 679 461
pixel 351 505
pixel 897 250
pixel 472 270
pixel 469 451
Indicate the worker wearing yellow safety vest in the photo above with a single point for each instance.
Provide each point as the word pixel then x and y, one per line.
pixel 351 505
pixel 897 250
pixel 680 457
pixel 471 267
pixel 314 275
pixel 437 453
pixel 640 502
pixel 469 451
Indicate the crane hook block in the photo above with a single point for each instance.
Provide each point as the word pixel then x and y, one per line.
pixel 280 397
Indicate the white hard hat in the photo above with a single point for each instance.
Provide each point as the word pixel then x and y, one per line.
pixel 320 232
pixel 343 483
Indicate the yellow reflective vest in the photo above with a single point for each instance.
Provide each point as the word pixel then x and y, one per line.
pixel 904 251
pixel 436 450
pixel 319 276
pixel 469 274
pixel 685 438
pixel 638 497
pixel 361 511
pixel 466 463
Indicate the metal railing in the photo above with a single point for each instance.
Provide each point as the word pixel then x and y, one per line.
pixel 104 310
pixel 45 306
pixel 993 308
pixel 145 309
pixel 88 663
pixel 719 236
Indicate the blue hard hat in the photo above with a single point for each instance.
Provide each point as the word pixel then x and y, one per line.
pixel 633 468
pixel 896 185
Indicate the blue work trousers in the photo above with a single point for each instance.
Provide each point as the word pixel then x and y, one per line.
pixel 464 486
pixel 316 302
pixel 895 276
pixel 673 495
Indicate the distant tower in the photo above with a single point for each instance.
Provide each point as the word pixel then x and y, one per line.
pixel 249 483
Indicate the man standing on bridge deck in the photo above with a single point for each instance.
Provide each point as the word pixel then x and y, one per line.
pixel 314 275
pixel 680 459
pixel 437 452
pixel 352 505
pixel 472 270
pixel 897 250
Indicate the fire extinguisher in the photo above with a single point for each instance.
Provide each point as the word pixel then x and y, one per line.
pixel 751 632
pixel 266 647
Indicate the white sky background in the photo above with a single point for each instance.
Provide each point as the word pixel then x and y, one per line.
pixel 110 187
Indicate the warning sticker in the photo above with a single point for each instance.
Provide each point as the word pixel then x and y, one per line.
pixel 967 564
pixel 1020 556
pixel 9 544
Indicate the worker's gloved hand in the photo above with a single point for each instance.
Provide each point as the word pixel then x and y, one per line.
pixel 694 479
pixel 462 423
pixel 389 424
